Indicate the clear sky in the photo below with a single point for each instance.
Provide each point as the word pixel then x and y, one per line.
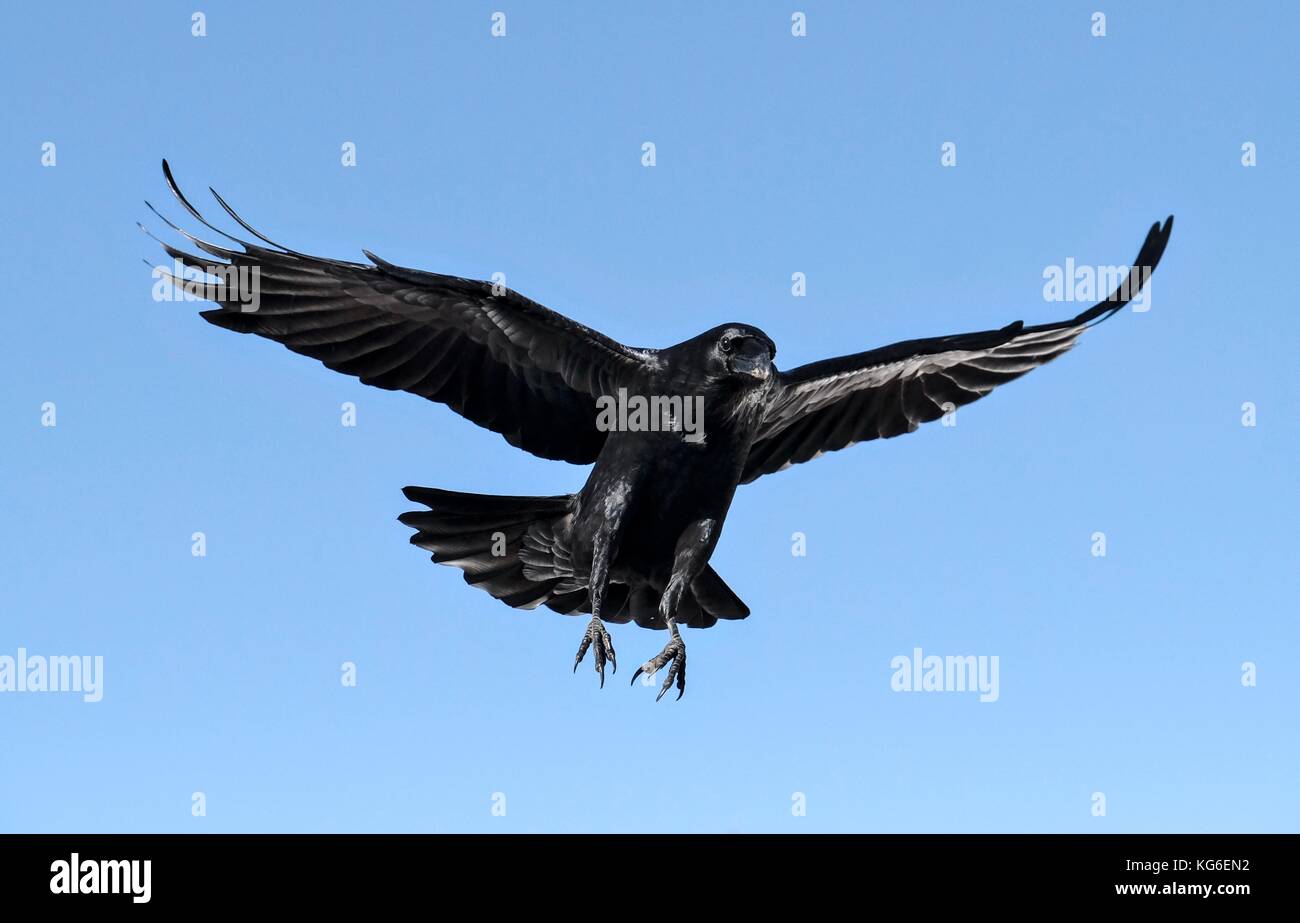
pixel 1120 675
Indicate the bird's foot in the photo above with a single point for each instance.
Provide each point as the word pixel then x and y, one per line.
pixel 673 655
pixel 598 639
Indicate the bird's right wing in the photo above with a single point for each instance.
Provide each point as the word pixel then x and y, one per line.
pixel 492 355
pixel 881 393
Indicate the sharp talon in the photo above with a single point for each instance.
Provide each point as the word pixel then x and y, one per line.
pixel 665 687
pixel 668 680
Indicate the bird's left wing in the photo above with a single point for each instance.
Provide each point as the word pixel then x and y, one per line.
pixel 495 357
pixel 828 405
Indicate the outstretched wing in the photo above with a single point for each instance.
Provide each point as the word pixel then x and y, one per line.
pixel 885 392
pixel 492 355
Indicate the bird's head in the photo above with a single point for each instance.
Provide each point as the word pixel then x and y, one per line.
pixel 738 352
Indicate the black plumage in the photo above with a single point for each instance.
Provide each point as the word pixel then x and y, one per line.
pixel 634 543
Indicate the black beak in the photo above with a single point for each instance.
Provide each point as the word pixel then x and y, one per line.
pixel 753 360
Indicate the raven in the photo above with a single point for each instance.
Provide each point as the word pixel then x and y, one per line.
pixel 634 543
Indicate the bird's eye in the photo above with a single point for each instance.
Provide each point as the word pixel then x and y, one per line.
pixel 725 344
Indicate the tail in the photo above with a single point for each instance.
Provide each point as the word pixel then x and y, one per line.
pixel 514 547
pixel 484 537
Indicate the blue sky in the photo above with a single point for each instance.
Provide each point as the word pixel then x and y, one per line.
pixel 775 154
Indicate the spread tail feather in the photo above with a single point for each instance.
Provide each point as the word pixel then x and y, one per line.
pixel 513 548
pixel 483 536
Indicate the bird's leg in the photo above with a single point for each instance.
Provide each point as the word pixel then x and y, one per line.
pixel 597 636
pixel 691 555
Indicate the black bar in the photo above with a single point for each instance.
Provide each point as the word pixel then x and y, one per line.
pixel 623 873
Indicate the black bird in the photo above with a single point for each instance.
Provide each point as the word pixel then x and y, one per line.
pixel 634 544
